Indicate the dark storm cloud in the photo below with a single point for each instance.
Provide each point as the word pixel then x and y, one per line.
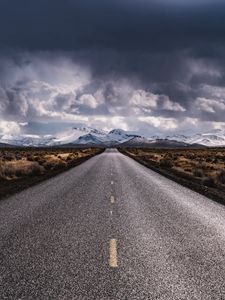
pixel 113 24
pixel 145 39
pixel 161 58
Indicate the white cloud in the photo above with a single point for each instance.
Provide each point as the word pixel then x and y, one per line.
pixel 7 128
pixel 88 100
pixel 148 101
pixel 42 88
pixel 210 105
pixel 160 122
pixel 144 99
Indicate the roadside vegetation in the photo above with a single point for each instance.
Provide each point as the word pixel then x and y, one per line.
pixel 20 168
pixel 200 169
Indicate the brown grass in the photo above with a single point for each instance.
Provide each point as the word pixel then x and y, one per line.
pixel 205 166
pixel 18 163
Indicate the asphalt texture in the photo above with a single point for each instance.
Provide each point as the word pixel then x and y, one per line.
pixel 55 237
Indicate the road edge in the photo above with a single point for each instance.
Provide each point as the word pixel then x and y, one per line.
pixel 211 193
pixel 27 182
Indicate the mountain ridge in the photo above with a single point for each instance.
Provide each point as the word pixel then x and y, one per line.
pixel 88 136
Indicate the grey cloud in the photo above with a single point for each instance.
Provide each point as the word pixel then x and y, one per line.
pixel 70 59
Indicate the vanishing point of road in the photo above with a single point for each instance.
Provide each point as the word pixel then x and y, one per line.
pixel 111 229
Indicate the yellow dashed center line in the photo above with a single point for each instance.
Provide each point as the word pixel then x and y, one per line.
pixel 112 199
pixel 113 253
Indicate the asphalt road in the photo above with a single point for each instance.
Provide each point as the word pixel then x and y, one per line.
pixel 111 229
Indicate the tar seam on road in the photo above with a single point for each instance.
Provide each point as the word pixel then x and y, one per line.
pixel 113 253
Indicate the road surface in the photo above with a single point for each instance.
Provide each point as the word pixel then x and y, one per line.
pixel 111 229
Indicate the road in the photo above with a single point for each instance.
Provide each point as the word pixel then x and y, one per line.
pixel 111 229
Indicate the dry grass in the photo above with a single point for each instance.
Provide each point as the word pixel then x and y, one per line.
pixel 18 163
pixel 205 165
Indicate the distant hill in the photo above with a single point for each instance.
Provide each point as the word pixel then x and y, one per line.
pixel 159 143
pixel 84 136
pixel 3 145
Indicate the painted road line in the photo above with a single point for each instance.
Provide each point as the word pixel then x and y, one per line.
pixel 112 199
pixel 111 182
pixel 113 253
pixel 110 212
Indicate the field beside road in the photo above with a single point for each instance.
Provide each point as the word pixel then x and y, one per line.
pixel 202 170
pixel 23 167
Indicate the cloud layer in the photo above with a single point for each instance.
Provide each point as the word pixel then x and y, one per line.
pixel 150 66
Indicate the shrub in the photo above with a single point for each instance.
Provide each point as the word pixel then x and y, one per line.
pixel 35 169
pixel 54 165
pixel 9 170
pixel 70 157
pixel 30 157
pixel 198 173
pixel 165 163
pixel 209 181
pixel 9 156
pixel 221 176
pixel 2 171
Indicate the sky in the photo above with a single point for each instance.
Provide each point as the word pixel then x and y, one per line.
pixel 154 67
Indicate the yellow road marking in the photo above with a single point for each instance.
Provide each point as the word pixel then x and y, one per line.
pixel 112 199
pixel 113 254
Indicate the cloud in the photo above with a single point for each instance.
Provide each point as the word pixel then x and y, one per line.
pixel 149 101
pixel 210 105
pixel 155 65
pixel 160 122
pixel 36 91
pixel 88 100
pixel 7 128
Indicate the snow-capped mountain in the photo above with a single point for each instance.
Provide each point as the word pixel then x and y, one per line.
pixel 120 135
pixel 72 136
pixel 27 140
pixel 76 136
pixel 216 138
pixel 82 136
pixel 114 137
pixel 157 143
pixel 67 137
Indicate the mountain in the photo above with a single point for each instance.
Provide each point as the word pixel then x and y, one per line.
pixel 158 143
pixel 76 136
pixel 216 138
pixel 67 137
pixel 83 136
pixel 3 145
pixel 120 135
pixel 113 138
pixel 90 139
pixel 73 136
pixel 27 140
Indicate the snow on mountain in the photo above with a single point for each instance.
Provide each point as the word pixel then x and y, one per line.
pixel 216 138
pixel 82 135
pixel 120 135
pixel 157 143
pixel 136 142
pixel 208 139
pixel 67 137
pixel 115 136
pixel 177 137
pixel 27 140
pixel 90 139
pixel 71 136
